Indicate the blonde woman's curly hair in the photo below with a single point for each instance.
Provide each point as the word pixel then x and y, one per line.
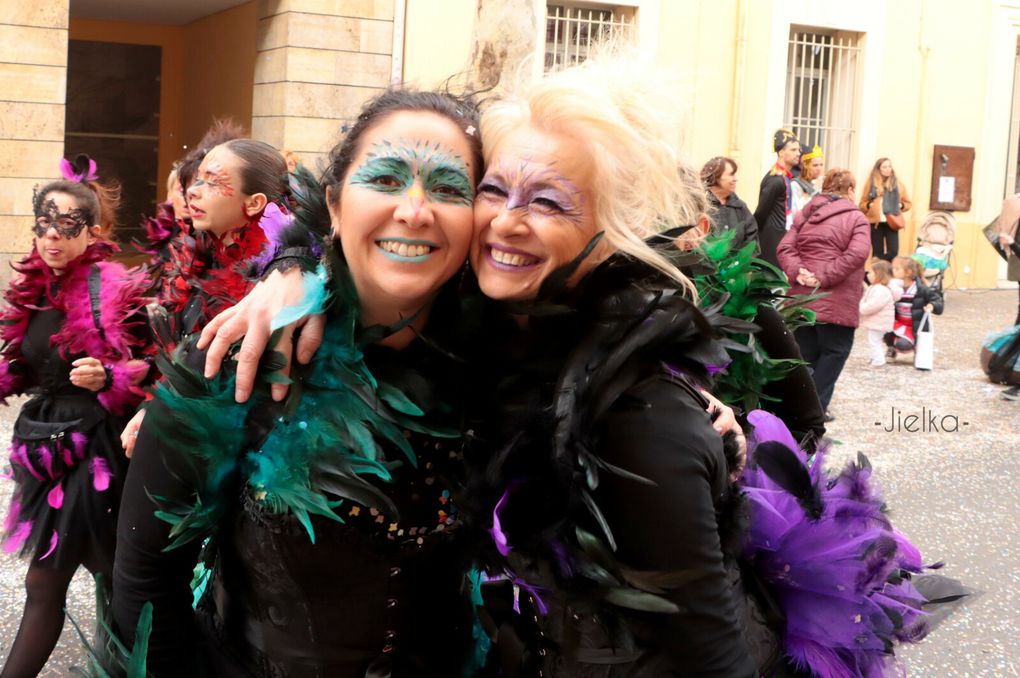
pixel 617 111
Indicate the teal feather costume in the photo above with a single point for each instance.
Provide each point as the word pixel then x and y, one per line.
pixel 329 438
pixel 348 484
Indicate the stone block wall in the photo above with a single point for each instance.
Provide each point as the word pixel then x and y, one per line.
pixel 33 79
pixel 318 61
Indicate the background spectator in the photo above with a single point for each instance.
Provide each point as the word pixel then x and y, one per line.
pixel 825 251
pixel 775 209
pixel 730 212
pixel 808 183
pixel 883 196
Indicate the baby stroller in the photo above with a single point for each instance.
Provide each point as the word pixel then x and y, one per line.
pixel 935 241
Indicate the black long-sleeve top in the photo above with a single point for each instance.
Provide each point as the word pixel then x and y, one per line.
pixel 770 215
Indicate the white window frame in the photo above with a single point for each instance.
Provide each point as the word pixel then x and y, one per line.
pixel 643 13
pixel 821 93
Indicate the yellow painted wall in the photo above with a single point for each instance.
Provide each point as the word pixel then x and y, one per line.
pixel 219 69
pixel 437 40
pixel 933 77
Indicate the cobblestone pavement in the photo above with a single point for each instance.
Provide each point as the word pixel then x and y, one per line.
pixel 955 492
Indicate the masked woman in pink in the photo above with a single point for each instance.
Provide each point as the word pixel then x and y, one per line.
pixel 74 337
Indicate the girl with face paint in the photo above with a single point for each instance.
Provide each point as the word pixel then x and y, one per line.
pixel 237 194
pixel 74 337
pixel 333 512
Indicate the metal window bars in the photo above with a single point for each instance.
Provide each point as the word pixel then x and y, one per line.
pixel 572 31
pixel 822 83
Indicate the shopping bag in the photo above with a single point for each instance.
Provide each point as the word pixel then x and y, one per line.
pixel 924 344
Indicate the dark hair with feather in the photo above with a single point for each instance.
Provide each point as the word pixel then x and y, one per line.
pixel 100 200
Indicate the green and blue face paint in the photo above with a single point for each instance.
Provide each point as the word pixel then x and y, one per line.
pixel 421 170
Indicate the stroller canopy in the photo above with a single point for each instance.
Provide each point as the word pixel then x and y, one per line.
pixel 935 241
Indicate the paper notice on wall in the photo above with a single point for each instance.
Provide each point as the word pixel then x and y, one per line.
pixel 947 189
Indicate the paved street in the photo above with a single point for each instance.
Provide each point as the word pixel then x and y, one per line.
pixel 955 492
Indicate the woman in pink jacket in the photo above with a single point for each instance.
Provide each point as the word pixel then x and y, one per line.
pixel 824 251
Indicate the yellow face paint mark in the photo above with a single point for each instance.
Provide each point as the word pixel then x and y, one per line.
pixel 417 196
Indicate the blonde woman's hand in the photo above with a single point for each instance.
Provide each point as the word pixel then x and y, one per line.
pixel 726 421
pixel 88 373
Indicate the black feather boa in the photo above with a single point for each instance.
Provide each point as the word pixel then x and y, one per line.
pixel 585 347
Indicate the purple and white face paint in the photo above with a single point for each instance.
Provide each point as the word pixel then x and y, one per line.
pixel 533 213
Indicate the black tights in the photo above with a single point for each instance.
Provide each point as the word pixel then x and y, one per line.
pixel 42 621
pixel 885 242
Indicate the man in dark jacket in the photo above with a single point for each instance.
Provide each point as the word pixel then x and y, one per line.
pixel 774 214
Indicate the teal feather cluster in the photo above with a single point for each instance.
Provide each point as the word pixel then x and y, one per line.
pixel 326 442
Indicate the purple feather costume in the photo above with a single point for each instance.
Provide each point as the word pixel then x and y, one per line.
pixel 838 569
pixel 66 457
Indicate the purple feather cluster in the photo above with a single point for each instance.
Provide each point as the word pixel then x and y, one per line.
pixel 841 579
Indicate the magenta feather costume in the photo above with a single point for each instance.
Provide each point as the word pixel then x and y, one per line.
pixel 66 456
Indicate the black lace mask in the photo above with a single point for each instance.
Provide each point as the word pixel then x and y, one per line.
pixel 68 224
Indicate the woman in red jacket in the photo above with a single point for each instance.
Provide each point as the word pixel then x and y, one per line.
pixel 825 251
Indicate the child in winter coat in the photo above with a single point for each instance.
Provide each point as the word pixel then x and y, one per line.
pixel 917 300
pixel 877 309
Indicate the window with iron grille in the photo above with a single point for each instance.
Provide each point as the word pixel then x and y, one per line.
pixel 821 92
pixel 571 31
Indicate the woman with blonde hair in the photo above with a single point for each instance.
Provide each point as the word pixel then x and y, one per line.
pixel 883 200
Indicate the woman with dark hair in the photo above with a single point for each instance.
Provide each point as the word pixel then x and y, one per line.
pixel 825 252
pixel 239 191
pixel 330 514
pixel 719 175
pixel 178 254
pixel 74 338
pixel 884 196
